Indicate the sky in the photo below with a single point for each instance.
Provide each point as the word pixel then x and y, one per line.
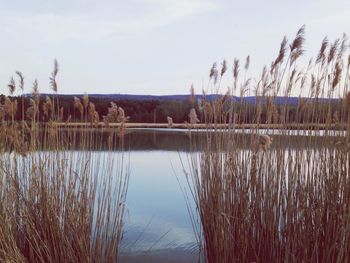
pixel 152 46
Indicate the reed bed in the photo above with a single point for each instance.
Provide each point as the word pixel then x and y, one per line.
pixel 258 198
pixel 59 204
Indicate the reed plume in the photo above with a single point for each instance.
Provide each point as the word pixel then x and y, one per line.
pixel 213 74
pixel 321 57
pixel 282 53
pixel 54 73
pixel 79 106
pixel 235 69
pixel 247 63
pixel 86 100
pixel 11 86
pixel 223 68
pixel 193 116
pixel 264 142
pixel 47 106
pixel 337 75
pixel 170 122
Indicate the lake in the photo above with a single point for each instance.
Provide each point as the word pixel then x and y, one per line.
pixel 158 226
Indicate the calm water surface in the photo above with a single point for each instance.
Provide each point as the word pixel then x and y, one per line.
pixel 158 226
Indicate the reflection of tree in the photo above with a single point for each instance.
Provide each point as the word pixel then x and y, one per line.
pixel 172 140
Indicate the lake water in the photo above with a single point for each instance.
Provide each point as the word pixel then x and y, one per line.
pixel 158 226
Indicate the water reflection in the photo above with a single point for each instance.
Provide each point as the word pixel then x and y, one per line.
pixel 180 140
pixel 158 228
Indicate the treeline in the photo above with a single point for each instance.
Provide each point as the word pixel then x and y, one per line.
pixel 263 110
pixel 149 111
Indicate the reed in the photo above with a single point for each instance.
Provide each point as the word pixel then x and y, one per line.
pixel 258 198
pixel 59 204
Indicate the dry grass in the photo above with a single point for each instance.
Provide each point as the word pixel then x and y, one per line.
pixel 58 205
pixel 258 203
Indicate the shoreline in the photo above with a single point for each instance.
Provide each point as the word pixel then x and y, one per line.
pixel 290 126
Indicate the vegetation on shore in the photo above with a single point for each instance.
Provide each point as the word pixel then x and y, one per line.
pixel 59 204
pixel 258 203
pixel 157 110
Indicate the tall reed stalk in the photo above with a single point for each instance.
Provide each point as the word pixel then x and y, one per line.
pixel 261 200
pixel 60 201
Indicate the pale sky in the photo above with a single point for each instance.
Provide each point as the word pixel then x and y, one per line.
pixel 152 46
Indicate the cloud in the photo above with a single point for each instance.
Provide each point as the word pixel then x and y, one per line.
pixel 176 9
pixel 154 228
pixel 54 27
pixel 61 27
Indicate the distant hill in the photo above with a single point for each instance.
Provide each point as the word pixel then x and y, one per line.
pixel 115 97
pixel 183 97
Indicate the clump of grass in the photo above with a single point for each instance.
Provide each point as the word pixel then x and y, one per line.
pixel 58 204
pixel 269 202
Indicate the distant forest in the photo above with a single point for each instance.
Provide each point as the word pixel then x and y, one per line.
pixel 155 109
pixel 149 110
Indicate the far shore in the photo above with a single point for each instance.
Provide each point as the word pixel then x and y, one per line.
pixel 290 126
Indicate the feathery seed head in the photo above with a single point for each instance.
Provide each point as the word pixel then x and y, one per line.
pixel 321 54
pixel 337 75
pixel 193 116
pixel 91 112
pixel 21 79
pixel 53 81
pixel 78 105
pixel 170 121
pixel 298 40
pixel 264 142
pixel 11 86
pixel 343 46
pixel 193 97
pixel 247 63
pixel 333 50
pixel 223 68
pixel 235 68
pixel 121 115
pixel 85 100
pixel 112 115
pixel 47 106
pixel 281 54
pixel 35 91
pixel 213 71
